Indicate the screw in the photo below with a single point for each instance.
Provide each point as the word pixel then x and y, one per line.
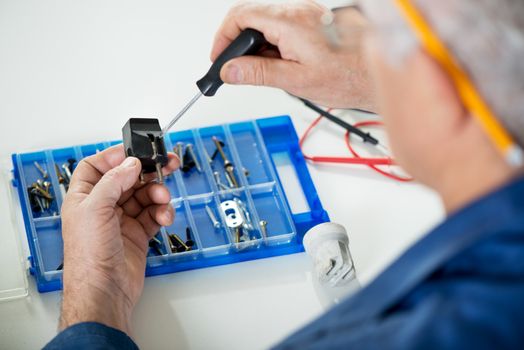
pixel 158 166
pixel 219 182
pixel 153 244
pixel 215 153
pixel 263 228
pixel 41 170
pixel 246 172
pixel 208 158
pixel 180 242
pixel 159 173
pixel 47 186
pixel 67 172
pixel 172 246
pixel 36 197
pixel 189 241
pixel 228 166
pixel 61 178
pixel 192 154
pixel 237 235
pixel 220 150
pixel 40 189
pixel 212 217
pixel 179 150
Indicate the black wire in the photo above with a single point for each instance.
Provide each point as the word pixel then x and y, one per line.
pixel 366 136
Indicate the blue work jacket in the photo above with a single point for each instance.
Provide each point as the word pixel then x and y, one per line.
pixel 460 287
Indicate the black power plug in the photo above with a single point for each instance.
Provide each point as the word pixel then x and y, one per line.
pixel 144 140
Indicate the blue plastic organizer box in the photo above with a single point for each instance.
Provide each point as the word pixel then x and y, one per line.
pixel 252 146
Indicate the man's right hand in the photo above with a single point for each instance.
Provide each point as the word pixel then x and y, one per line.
pixel 302 62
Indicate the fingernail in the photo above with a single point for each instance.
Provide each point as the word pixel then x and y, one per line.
pixel 234 74
pixel 168 216
pixel 129 162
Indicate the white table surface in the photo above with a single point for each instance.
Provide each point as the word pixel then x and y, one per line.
pixel 73 72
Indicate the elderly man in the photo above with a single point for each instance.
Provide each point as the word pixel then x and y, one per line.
pixel 461 286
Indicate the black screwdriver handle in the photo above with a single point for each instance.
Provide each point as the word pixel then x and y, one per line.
pixel 249 42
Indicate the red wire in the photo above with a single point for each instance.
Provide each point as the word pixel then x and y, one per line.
pixel 373 163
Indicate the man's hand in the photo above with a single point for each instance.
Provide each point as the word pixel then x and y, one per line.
pixel 302 61
pixel 108 219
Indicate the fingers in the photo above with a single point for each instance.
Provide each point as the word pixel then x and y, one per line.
pixel 246 15
pixel 171 166
pixel 262 71
pixel 146 196
pixel 155 216
pixel 114 183
pixel 91 169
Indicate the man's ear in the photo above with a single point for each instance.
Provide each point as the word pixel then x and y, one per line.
pixel 438 91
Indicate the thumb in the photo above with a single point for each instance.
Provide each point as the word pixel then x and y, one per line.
pixel 115 182
pixel 263 71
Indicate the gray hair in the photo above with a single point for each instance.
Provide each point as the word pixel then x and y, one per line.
pixel 485 36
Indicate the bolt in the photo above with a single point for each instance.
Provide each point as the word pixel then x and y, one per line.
pixel 189 241
pixel 208 158
pixel 237 235
pixel 172 246
pixel 41 170
pixel 61 178
pixel 36 197
pixel 220 150
pixel 222 144
pixel 40 189
pixel 159 173
pixel 263 228
pixel 180 242
pixel 154 244
pixel 67 172
pixel 219 182
pixel 47 186
pixel 179 150
pixel 192 154
pixel 212 217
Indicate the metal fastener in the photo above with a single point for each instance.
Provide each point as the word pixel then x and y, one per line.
pixel 67 172
pixel 193 156
pixel 263 228
pixel 179 150
pixel 248 224
pixel 179 241
pixel 189 240
pixel 219 182
pixel 61 178
pixel 158 166
pixel 212 217
pixel 208 158
pixel 41 170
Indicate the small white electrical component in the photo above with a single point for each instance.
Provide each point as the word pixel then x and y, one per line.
pixel 328 245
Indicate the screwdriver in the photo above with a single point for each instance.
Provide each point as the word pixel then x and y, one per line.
pixel 249 42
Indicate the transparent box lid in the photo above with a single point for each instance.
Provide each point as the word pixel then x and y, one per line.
pixel 13 276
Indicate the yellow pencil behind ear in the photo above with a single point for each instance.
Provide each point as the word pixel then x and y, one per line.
pixel 469 94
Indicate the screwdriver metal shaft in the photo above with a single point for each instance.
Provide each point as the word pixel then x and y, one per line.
pixel 181 113
pixel 248 42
